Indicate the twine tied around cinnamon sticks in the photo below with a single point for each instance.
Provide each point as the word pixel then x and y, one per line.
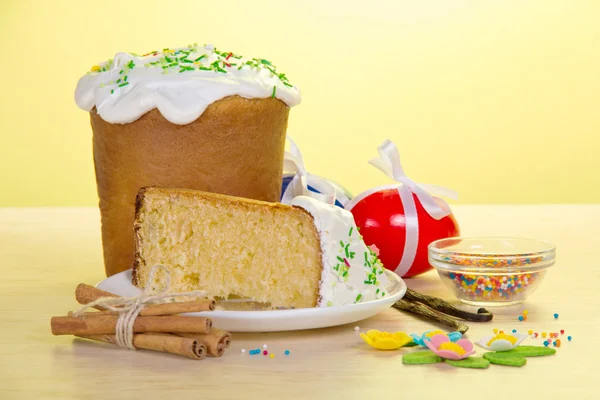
pixel 130 307
pixel 153 322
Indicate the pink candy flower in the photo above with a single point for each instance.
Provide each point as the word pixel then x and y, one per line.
pixel 445 348
pixel 374 249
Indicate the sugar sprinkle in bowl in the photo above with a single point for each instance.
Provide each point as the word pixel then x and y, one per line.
pixel 491 271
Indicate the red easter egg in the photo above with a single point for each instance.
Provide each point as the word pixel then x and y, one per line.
pixel 380 217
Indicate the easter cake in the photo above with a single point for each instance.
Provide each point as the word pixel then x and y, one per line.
pixel 307 254
pixel 192 117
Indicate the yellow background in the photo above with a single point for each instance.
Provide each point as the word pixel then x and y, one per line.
pixel 497 99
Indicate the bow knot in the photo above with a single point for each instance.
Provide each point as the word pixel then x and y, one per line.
pixel 293 162
pixel 389 163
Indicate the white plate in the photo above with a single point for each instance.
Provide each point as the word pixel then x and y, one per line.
pixel 277 320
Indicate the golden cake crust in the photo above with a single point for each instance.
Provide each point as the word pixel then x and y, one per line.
pixel 235 147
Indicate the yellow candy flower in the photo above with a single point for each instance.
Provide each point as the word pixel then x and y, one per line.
pixel 385 340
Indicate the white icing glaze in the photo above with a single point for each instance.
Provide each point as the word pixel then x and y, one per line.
pixel 124 89
pixel 340 243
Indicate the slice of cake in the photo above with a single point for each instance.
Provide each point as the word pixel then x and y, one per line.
pixel 304 255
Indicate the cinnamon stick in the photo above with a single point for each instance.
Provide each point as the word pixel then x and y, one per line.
pixel 165 343
pixel 103 324
pixel 85 294
pixel 216 341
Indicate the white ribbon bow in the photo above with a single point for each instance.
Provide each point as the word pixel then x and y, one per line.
pixel 293 162
pixel 389 163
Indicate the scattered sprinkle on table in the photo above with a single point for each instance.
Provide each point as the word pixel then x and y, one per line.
pixel 243 350
pixel 287 352
pixel 555 316
pixel 264 346
pixel 357 328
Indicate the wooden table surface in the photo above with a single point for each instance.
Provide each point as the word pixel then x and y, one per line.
pixel 46 252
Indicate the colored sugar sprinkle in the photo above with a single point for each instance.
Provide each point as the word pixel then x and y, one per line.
pixel 546 343
pixel 569 338
pixel 521 318
pixel 287 352
pixel 272 355
pixel 243 350
pixel 514 331
pixel 525 312
pixel 557 343
pixel 530 332
pixel 544 334
pixel 191 58
pixel 492 260
pixel 264 346
pixel 510 287
pixel 357 328
pixel 555 316
pixel 265 352
pixel 562 331
pixel 502 288
pixel 495 330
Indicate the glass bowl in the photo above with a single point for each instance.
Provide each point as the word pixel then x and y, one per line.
pixel 494 271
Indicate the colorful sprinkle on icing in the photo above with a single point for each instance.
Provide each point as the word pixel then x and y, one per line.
pixel 192 58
